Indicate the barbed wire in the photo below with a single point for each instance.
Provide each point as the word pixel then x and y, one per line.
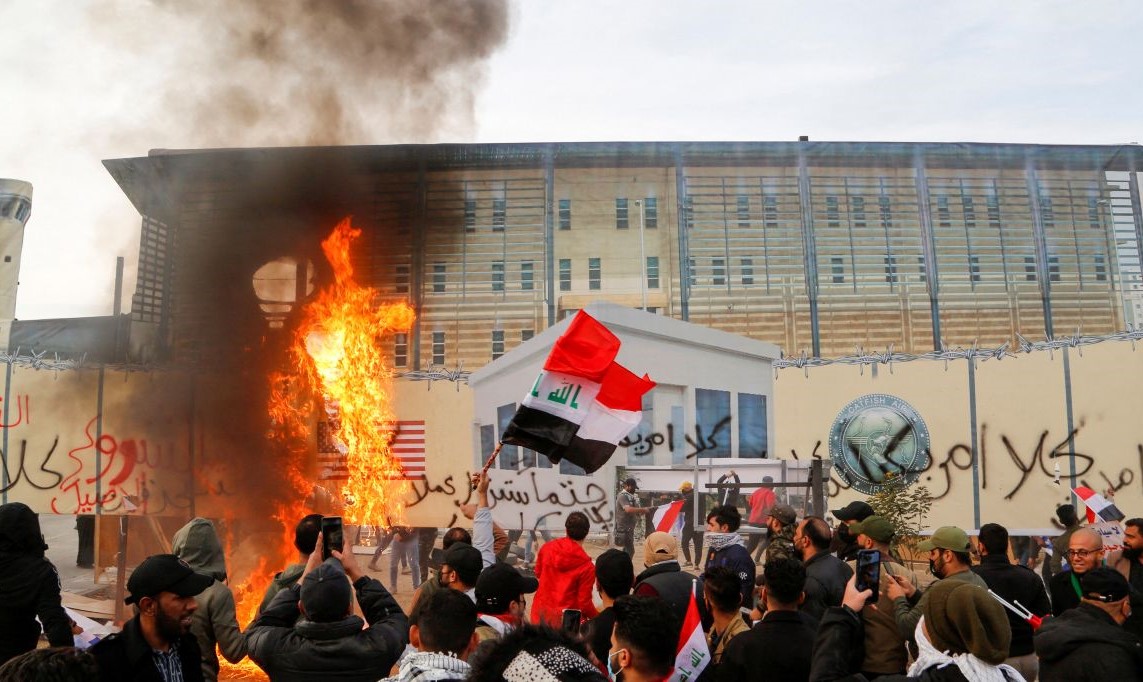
pixel 862 358
pixel 42 360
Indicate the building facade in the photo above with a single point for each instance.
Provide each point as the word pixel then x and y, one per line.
pixel 816 247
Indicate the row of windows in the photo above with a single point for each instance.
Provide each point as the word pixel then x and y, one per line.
pixel 650 208
pixel 401 346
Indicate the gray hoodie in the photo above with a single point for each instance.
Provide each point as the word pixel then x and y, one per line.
pixel 214 621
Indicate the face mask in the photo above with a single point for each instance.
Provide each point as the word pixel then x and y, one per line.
pixel 613 674
pixel 933 569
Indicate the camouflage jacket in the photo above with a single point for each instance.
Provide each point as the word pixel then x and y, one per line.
pixel 782 544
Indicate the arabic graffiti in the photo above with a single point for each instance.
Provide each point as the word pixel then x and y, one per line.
pixel 644 446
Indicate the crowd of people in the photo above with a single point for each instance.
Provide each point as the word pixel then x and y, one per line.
pixel 783 603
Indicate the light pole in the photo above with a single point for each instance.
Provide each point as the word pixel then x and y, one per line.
pixel 642 256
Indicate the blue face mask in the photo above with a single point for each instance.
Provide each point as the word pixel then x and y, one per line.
pixel 613 674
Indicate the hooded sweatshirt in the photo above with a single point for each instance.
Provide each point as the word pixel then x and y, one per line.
pixel 567 577
pixel 214 620
pixel 1085 643
pixel 29 586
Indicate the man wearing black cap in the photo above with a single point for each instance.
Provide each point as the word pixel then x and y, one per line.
pixel 156 644
pixel 500 600
pixel 461 567
pixel 627 510
pixel 844 540
pixel 1089 642
pixel 309 631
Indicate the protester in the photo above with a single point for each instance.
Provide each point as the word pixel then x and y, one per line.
pixel 500 600
pixel 627 511
pixel 962 636
pixel 727 491
pixel 949 559
pixel 885 652
pixel 1084 552
pixel 1013 583
pixel 461 568
pixel 644 641
pixel 722 597
pixel 1129 563
pixel 614 577
pixel 328 641
pixel 29 586
pixel 54 664
pixel 779 646
pixel 426 538
pixel 533 653
pixel 443 632
pixel 844 543
pixel 780 525
pixel 483 529
pixel 1088 642
pixel 156 644
pixel 530 543
pixel 566 575
pixel 687 518
pixel 663 577
pixel 725 548
pixel 1066 513
pixel 760 503
pixel 214 621
pixel 305 537
pixel 826 575
pixel 404 549
pixel 384 539
pixel 434 583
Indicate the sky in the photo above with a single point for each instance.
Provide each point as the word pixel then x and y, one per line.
pixel 87 80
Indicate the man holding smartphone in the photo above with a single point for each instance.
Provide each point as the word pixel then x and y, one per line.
pixel 885 652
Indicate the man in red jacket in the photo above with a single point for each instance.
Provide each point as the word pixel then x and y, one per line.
pixel 566 575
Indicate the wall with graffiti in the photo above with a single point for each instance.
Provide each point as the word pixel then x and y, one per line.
pixel 987 437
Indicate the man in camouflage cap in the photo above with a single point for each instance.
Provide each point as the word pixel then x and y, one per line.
pixel 781 524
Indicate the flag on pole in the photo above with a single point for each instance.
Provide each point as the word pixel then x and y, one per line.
pixel 668 519
pixel 1098 506
pixel 583 403
pixel 693 653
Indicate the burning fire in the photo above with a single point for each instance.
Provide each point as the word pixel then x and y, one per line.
pixel 339 371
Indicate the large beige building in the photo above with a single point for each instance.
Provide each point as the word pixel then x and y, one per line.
pixel 817 247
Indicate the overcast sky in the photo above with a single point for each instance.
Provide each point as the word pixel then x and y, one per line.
pixel 85 81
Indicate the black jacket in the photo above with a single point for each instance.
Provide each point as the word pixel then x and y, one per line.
pixel 777 648
pixel 826 576
pixel 737 559
pixel 29 586
pixel 1015 583
pixel 1063 592
pixel 127 656
pixel 289 649
pixel 670 583
pixel 1084 643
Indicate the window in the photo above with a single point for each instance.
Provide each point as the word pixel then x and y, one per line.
pixel 402 279
pixel 400 350
pixel 526 283
pixel 944 216
pixel 891 269
pixel 565 214
pixel 857 206
pixel 469 215
pixel 621 214
pixel 747 270
pixel 712 420
pixel 499 214
pixel 833 217
pixel 969 211
pixel 1093 213
pixel 438 348
pixel 1100 268
pixel 886 208
pixel 921 269
pixel 743 210
pixel 497 343
pixel 752 425
pixel 1046 213
pixel 770 212
pixel 718 271
pixel 651 213
pixel 593 274
pixel 1029 268
pixel 526 334
pixel 509 454
pixel 565 274
pixel 993 202
pixel 438 277
pixel 498 276
pixel 974 268
pixel 1053 268
pixel 652 272
pixel 838 267
pixel 691 272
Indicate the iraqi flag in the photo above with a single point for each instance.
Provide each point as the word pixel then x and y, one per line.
pixel 1098 507
pixel 693 653
pixel 583 403
pixel 668 518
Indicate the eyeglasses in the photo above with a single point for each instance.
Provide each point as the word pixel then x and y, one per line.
pixel 1082 553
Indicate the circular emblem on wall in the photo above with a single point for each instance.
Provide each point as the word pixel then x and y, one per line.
pixel 875 436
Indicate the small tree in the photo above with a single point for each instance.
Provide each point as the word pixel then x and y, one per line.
pixel 905 506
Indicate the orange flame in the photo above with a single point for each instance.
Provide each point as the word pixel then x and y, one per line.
pixel 339 357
